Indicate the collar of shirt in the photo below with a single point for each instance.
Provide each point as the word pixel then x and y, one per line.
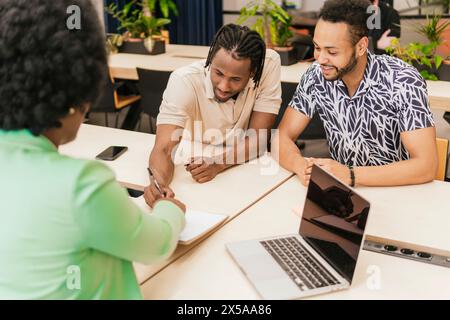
pixel 370 79
pixel 26 140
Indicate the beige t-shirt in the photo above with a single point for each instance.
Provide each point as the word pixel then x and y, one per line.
pixel 188 101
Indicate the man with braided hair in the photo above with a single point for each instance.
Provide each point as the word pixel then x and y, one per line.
pixel 237 92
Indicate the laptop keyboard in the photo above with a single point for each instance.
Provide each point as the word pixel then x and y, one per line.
pixel 301 266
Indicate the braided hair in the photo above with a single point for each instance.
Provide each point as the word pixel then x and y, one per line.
pixel 242 42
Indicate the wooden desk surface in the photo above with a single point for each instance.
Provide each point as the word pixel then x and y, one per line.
pixel 439 94
pixel 415 214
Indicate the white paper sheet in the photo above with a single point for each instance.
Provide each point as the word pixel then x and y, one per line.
pixel 198 223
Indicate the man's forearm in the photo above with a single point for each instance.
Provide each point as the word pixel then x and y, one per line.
pixel 407 172
pixel 285 151
pixel 162 165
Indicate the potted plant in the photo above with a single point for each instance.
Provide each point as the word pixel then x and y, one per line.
pixel 166 7
pixel 280 35
pixel 424 56
pixel 433 30
pixel 273 26
pixel 143 31
pixel 420 56
pixel 113 42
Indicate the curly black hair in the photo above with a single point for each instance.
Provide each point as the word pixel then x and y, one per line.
pixel 46 67
pixel 352 12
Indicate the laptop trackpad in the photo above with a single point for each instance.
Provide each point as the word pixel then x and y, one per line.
pixel 256 261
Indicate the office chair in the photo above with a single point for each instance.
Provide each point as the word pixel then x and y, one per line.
pixel 447 117
pixel 151 85
pixel 303 45
pixel 112 102
pixel 442 150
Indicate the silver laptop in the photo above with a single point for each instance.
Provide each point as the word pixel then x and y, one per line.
pixel 322 257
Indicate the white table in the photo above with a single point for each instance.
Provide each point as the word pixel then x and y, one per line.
pixel 230 193
pixel 124 66
pixel 439 94
pixel 414 214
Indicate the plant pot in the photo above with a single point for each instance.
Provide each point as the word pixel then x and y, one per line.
pixel 155 46
pixel 143 46
pixel 444 71
pixel 135 46
pixel 421 67
pixel 288 55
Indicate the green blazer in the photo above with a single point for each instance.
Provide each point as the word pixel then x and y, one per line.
pixel 68 230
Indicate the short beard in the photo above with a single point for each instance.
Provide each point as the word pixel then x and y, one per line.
pixel 345 70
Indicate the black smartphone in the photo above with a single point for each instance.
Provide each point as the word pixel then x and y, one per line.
pixel 111 153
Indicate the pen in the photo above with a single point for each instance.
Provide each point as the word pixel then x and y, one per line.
pixel 152 178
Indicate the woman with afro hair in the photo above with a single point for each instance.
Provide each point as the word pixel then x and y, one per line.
pixel 68 230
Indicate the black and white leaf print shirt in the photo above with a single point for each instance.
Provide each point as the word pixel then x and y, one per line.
pixel 364 130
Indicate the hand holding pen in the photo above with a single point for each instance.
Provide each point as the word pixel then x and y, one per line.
pixel 154 181
pixel 156 190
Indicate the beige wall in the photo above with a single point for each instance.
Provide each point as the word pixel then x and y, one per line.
pixel 408 32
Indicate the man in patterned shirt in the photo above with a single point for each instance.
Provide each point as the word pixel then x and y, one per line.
pixel 375 109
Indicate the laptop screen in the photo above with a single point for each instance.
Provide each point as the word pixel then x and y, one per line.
pixel 333 221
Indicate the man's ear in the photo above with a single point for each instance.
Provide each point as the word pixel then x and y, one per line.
pixel 362 46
